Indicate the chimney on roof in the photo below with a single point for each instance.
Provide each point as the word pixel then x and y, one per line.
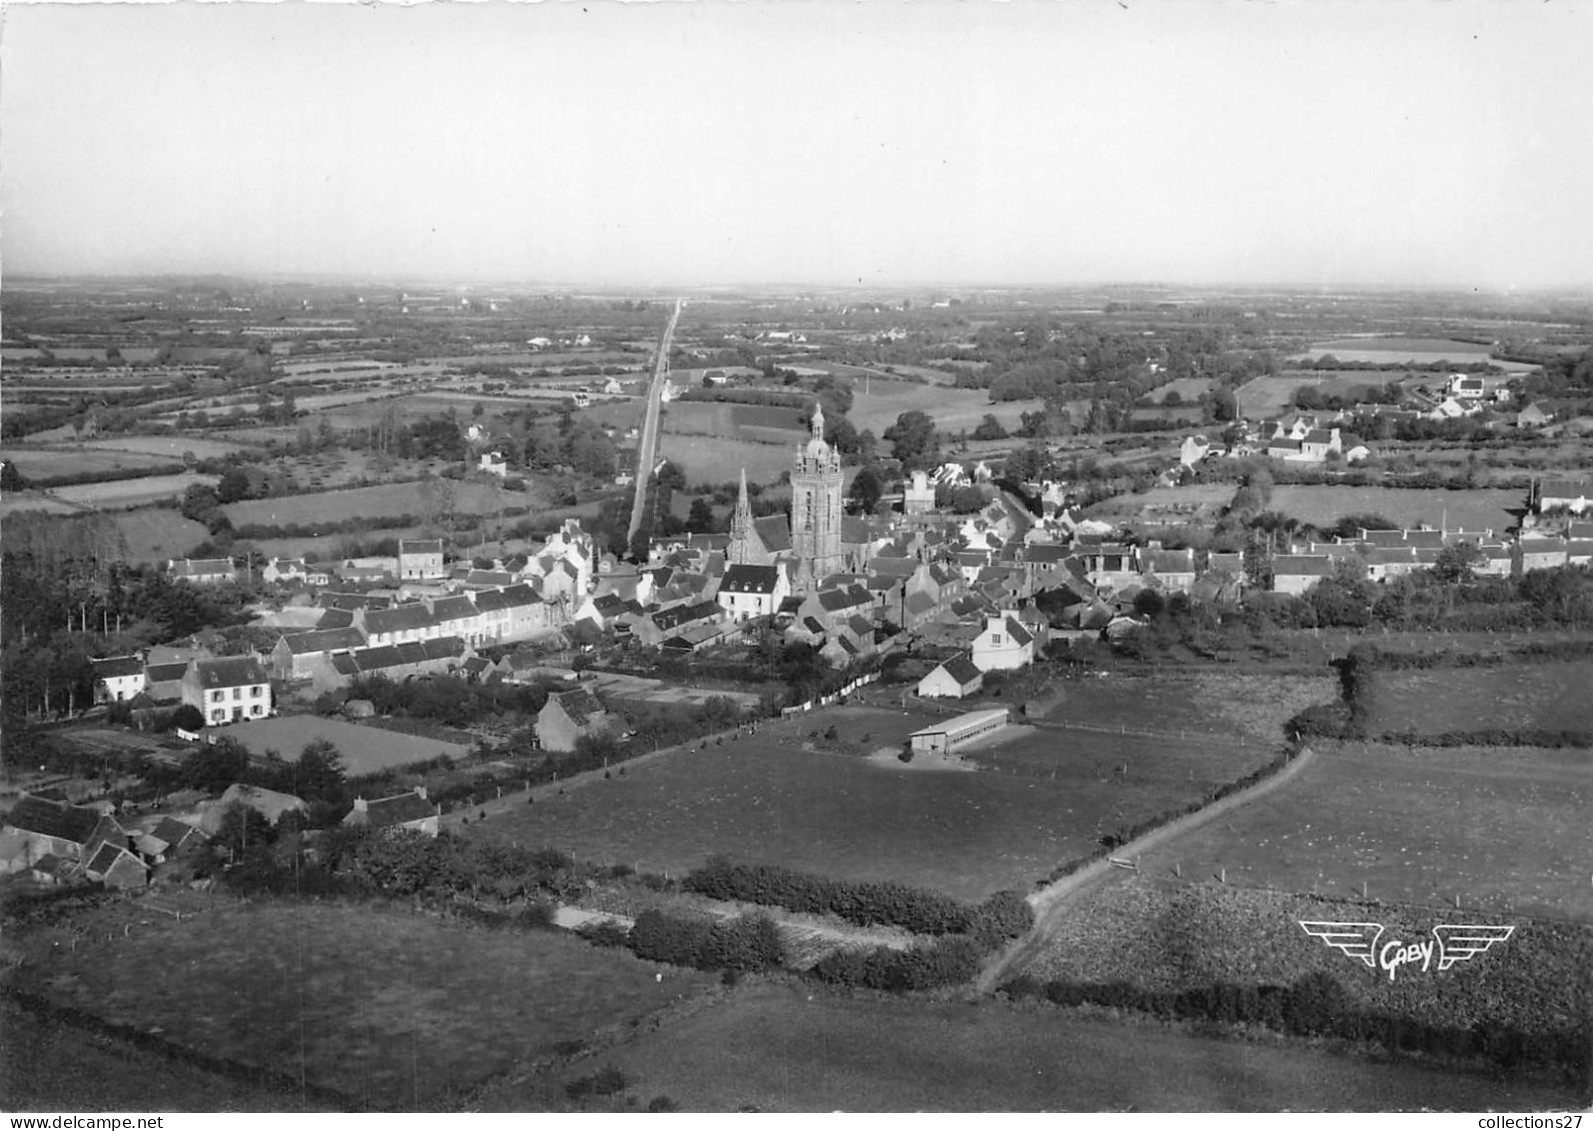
pixel 420 792
pixel 359 805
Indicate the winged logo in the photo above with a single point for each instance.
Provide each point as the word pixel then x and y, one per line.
pixel 1358 940
pixel 1452 943
pixel 1460 942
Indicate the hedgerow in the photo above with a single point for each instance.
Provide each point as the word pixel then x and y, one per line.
pixel 866 904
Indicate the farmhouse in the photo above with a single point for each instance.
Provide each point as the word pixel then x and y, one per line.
pixel 229 690
pixel 957 678
pixel 203 571
pixel 267 802
pixel 117 868
pixel 421 559
pixel 1004 644
pixel 1295 573
pixel 411 811
pixel 568 716
pixel 1541 553
pixel 53 828
pixel 949 735
pixel 298 656
pixel 117 678
pixel 1564 494
pixel 749 591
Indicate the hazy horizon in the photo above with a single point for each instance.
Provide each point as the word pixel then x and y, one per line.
pixel 822 145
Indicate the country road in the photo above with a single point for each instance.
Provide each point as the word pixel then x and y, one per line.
pixel 1051 902
pixel 647 446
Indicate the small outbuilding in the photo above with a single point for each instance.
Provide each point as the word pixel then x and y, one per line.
pixel 949 735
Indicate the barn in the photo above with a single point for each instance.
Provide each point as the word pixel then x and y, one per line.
pixel 946 736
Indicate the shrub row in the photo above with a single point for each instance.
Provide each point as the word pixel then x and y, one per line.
pixel 949 961
pixel 1318 1006
pixel 866 904
pixel 1367 658
pixel 745 943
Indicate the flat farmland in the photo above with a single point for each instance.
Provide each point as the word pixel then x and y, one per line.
pixel 772 798
pixel 776 1048
pixel 1191 500
pixel 1322 506
pixel 173 446
pixel 1187 388
pixel 1505 828
pixel 59 462
pixel 1553 696
pixel 1272 396
pixel 119 494
pixel 154 534
pixel 16 502
pixel 878 402
pixel 713 459
pixel 393 1009
pixel 387 499
pixel 365 750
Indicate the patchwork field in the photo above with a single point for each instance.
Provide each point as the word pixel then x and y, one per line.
pixel 877 404
pixel 387 499
pixel 365 749
pixel 1502 827
pixel 395 1010
pixel 120 494
pixel 1045 798
pixel 59 462
pixel 774 1048
pixel 155 534
pixel 1552 696
pixel 1271 396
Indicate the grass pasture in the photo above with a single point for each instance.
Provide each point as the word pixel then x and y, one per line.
pixel 1188 389
pixel 60 462
pixel 387 499
pixel 1553 696
pixel 1503 827
pixel 878 402
pixel 775 1048
pixel 1271 396
pixel 396 1010
pixel 155 534
pixel 771 798
pixel 365 750
pixel 705 459
pixel 1322 506
pixel 174 447
pixel 121 494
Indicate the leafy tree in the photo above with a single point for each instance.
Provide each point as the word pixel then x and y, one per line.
pixel 1458 562
pixel 234 485
pixel 700 519
pixel 914 440
pixel 990 429
pixel 866 490
pixel 10 478
pixel 188 717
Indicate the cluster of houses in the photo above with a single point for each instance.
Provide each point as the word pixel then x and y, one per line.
pixel 47 839
pixel 1554 536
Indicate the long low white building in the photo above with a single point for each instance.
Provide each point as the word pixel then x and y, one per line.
pixel 945 737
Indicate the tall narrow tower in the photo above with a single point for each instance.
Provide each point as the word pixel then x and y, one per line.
pixel 816 508
pixel 740 551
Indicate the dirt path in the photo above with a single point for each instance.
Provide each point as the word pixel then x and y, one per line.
pixel 1050 903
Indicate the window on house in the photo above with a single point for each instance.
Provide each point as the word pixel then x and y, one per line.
pixel 254 691
pixel 995 638
pixel 237 693
pixel 216 697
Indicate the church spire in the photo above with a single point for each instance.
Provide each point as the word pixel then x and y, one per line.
pixel 741 526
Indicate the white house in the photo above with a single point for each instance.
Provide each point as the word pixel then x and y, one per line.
pixel 1295 573
pixel 117 678
pixel 228 690
pixel 749 591
pixel 1003 645
pixel 956 678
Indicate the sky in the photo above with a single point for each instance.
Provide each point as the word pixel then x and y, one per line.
pixel 936 143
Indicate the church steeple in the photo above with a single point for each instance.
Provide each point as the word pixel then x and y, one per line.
pixel 741 527
pixel 818 421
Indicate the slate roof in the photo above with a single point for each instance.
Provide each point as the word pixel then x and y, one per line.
pixel 165 673
pixel 1564 489
pixel 420 546
pixel 1302 565
pixel 580 705
pixel 453 608
pixel 173 831
pixel 774 531
pixel 335 618
pixel 48 818
pixel 324 640
pixel 108 856
pixel 233 671
pixel 399 618
pixel 750 579
pixel 1168 561
pixel 1020 635
pixel 961 668
pixel 113 667
pixel 385 812
pixel 668 619
pixel 861 627
pixel 836 600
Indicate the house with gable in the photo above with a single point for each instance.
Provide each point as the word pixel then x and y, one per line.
pixel 1296 573
pixel 229 690
pixel 116 867
pixel 421 559
pixel 55 829
pixel 203 571
pixel 569 716
pixel 752 591
pixel 1172 571
pixel 298 655
pixel 1003 644
pixel 1563 494
pixel 410 811
pixel 117 678
pixel 957 678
